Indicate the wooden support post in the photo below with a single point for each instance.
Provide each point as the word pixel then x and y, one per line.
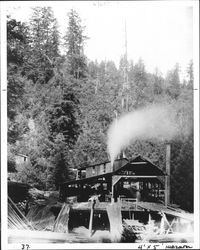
pixel 167 177
pixel 149 218
pixel 150 226
pixel 166 187
pixel 112 192
pixel 91 216
pixel 162 226
pixel 115 179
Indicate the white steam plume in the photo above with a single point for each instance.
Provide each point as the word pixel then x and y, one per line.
pixel 154 121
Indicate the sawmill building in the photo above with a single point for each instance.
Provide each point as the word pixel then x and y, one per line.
pixel 138 179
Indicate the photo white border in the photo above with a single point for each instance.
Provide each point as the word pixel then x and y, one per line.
pixel 5 245
pixel 3 128
pixel 196 122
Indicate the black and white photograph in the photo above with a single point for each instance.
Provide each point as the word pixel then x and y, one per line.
pixel 99 124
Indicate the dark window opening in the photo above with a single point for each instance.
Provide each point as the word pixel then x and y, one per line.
pixel 93 170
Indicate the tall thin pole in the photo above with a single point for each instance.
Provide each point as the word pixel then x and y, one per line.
pixel 125 96
pixel 91 216
pixel 167 178
pixel 126 59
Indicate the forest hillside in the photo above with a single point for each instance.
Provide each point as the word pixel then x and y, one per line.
pixel 60 105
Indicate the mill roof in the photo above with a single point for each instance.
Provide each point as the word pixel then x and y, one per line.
pixel 138 165
pixel 141 166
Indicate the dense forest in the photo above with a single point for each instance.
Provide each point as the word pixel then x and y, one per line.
pixel 60 105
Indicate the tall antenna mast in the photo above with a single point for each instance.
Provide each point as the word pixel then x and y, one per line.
pixel 125 85
pixel 125 89
pixel 126 60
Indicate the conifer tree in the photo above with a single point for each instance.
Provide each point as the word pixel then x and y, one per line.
pixel 44 41
pixel 173 82
pixel 190 75
pixel 16 48
pixel 74 45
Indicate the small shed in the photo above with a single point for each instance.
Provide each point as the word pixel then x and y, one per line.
pixel 21 158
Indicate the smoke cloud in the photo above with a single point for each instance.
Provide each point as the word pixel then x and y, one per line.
pixel 152 122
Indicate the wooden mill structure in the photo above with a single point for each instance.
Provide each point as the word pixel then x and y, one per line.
pixel 134 180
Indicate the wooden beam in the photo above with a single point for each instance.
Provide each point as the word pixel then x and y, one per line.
pixel 167 178
pixel 20 213
pixel 115 179
pixel 93 202
pixel 61 223
pixel 138 163
pixel 112 192
pixel 137 176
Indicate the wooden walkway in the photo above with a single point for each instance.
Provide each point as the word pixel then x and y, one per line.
pixel 138 206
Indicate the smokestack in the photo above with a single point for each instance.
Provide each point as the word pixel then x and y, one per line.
pixel 167 177
pixel 121 155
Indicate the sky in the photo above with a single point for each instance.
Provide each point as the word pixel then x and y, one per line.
pixel 159 32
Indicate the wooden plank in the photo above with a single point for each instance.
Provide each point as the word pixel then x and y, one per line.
pixel 61 223
pixel 20 213
pixel 126 206
pixel 133 222
pixel 161 208
pixel 115 219
pixel 138 176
